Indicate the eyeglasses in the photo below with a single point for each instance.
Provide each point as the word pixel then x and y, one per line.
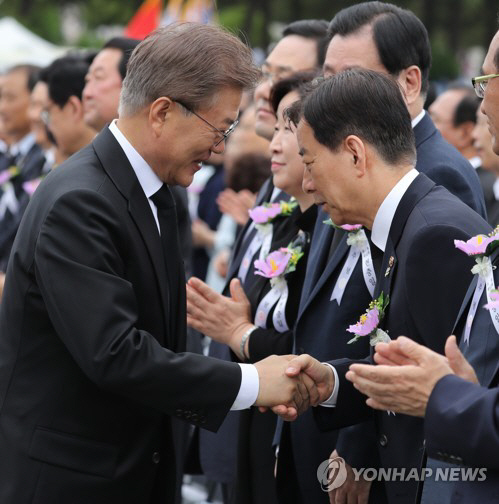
pixel 480 83
pixel 224 134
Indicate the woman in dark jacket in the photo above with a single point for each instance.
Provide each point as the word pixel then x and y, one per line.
pixel 257 322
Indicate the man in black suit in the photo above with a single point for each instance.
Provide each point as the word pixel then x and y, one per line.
pixel 392 40
pixel 101 96
pixel 94 303
pixel 461 414
pixel 359 157
pixel 24 160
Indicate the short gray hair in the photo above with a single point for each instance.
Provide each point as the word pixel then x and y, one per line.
pixel 188 62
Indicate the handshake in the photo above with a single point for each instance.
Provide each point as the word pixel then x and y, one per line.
pixel 290 384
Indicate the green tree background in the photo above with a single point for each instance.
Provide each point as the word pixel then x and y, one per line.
pixel 453 25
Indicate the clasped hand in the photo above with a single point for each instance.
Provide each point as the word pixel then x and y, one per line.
pixel 290 384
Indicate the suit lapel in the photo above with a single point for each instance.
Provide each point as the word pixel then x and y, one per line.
pixel 387 272
pixel 318 278
pixel 419 188
pixel 118 168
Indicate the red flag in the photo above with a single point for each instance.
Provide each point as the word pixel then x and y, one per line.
pixel 145 20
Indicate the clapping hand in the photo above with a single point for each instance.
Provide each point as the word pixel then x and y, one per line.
pixel 406 374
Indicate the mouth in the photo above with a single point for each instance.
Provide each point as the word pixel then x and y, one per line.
pixel 264 112
pixel 275 167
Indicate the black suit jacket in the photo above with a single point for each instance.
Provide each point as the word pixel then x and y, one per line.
pixel 426 282
pixel 88 373
pixel 461 426
pixel 321 325
pixel 461 418
pixel 320 330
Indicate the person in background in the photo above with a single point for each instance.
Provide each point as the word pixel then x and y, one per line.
pixel 43 137
pixel 253 326
pixel 454 113
pixel 65 79
pixel 104 79
pixel 483 142
pixel 23 162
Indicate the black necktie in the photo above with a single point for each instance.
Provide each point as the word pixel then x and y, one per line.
pixel 167 217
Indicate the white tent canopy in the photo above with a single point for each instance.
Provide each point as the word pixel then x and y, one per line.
pixel 19 46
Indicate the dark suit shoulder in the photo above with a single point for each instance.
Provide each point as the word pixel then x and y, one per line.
pixel 445 165
pixel 440 207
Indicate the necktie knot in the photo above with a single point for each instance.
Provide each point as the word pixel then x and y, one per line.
pixel 163 198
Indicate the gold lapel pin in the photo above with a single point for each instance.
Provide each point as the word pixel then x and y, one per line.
pixel 391 262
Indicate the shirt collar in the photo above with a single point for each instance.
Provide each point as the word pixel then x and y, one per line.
pixel 475 161
pixel 148 180
pixel 495 188
pixel 417 119
pixel 23 146
pixel 386 211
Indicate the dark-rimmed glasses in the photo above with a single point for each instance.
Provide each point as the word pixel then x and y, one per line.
pixel 224 134
pixel 480 83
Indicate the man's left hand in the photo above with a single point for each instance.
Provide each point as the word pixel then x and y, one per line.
pixel 408 373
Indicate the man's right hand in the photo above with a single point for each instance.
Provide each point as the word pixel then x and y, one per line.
pixel 321 374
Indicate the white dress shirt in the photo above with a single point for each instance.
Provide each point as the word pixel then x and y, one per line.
pixel 151 183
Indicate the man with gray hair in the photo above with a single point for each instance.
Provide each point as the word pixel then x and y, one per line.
pixel 94 311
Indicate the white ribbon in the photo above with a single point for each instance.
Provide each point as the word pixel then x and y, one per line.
pixel 261 241
pixel 359 246
pixel 277 294
pixel 8 200
pixel 484 269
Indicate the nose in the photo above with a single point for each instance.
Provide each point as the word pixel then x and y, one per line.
pixel 87 90
pixel 262 91
pixel 275 144
pixel 220 148
pixel 307 183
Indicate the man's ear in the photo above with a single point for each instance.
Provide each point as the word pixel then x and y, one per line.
pixel 159 113
pixel 76 107
pixel 355 149
pixel 465 132
pixel 410 80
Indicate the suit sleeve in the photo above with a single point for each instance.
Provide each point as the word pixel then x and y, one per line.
pixel 265 342
pixel 462 423
pixel 92 306
pixel 351 407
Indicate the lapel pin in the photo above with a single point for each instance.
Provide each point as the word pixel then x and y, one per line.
pixel 391 262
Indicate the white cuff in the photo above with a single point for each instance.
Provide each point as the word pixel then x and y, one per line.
pixel 250 386
pixel 330 402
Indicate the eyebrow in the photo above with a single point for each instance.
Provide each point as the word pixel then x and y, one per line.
pixel 277 67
